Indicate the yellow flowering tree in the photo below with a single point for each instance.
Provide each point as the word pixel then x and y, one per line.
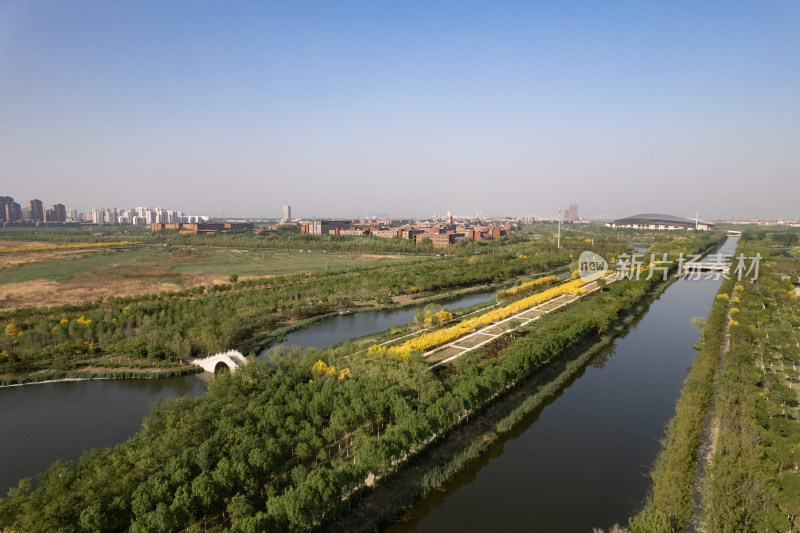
pixel 435 338
pixel 13 331
pixel 51 247
pixel 320 367
pixel 442 317
pixel 525 287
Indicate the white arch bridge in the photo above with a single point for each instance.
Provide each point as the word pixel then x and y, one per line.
pixel 229 360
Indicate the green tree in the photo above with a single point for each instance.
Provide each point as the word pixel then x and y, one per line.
pixel 307 504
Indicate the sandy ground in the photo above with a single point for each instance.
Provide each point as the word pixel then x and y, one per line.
pixel 10 260
pixel 111 280
pixel 22 244
pixel 46 293
pixel 43 292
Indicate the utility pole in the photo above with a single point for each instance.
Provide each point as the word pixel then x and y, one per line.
pixel 559 228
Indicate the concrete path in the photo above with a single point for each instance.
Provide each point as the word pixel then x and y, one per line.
pixel 488 333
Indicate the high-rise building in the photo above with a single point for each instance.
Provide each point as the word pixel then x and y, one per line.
pixel 572 213
pixel 37 211
pixel 4 201
pixel 12 211
pixel 57 214
pixel 287 213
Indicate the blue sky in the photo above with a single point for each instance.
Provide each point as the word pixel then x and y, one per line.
pixel 403 108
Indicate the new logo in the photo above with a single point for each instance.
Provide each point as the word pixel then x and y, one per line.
pixel 591 266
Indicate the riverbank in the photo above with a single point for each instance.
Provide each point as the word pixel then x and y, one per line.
pixel 753 481
pixel 677 475
pixel 482 429
pixel 670 504
pixel 62 375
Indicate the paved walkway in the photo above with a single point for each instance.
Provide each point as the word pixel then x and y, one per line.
pixel 488 333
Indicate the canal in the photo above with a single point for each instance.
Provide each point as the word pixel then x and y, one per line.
pixel 582 461
pixel 338 329
pixel 42 423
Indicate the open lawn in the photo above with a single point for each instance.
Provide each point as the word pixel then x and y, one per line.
pixel 54 278
pixel 473 340
pixel 442 354
pixel 260 263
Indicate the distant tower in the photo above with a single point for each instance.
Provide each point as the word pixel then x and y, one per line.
pixel 4 200
pixel 60 212
pixel 287 213
pixel 37 211
pixel 449 219
pixel 12 211
pixel 572 213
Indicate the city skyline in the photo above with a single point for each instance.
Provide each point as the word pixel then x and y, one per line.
pixel 404 110
pixel 568 213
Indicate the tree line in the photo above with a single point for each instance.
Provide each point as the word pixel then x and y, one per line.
pixel 205 320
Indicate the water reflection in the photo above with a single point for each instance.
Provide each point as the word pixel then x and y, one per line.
pixel 44 422
pixel 341 328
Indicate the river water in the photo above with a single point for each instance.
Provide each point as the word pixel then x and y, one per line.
pixel 41 423
pixel 582 461
pixel 44 422
pixel 345 327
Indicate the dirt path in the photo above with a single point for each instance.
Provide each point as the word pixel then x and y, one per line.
pixel 705 452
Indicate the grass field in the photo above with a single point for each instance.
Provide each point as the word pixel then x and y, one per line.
pixel 442 354
pixel 469 342
pixel 58 277
pixel 258 263
pixel 65 267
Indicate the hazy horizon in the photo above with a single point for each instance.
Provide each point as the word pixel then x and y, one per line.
pixel 403 109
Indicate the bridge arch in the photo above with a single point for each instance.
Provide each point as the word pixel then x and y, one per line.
pixel 221 362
